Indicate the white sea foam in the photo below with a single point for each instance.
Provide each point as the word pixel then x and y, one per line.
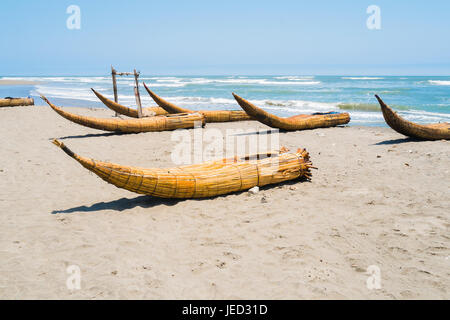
pixel 65 93
pixel 166 85
pixel 440 82
pixel 169 80
pixel 175 82
pixel 295 78
pixel 201 101
pixel 362 78
pixel 266 82
pixel 178 82
pixel 87 95
pixel 425 116
pixel 77 88
pixel 61 79
pixel 159 78
pixel 291 106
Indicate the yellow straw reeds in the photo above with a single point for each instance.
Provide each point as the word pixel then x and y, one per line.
pixel 14 102
pixel 436 131
pixel 202 180
pixel 210 115
pixel 299 122
pixel 157 123
pixel 146 112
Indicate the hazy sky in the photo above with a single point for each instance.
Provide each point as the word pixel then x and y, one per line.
pixel 225 37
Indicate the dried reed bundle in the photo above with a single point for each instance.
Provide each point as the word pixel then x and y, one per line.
pixel 14 102
pixel 299 122
pixel 157 123
pixel 146 112
pixel 202 180
pixel 435 131
pixel 210 115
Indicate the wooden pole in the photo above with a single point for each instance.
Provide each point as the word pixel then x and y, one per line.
pixel 136 93
pixel 113 74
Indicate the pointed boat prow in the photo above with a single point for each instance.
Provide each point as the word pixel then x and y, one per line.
pixel 208 179
pixel 254 111
pixel 210 115
pixel 166 105
pixel 147 112
pixel 437 131
pixel 299 122
pixel 385 108
pixel 381 102
pixel 85 162
pixel 46 100
pixel 58 110
pixel 61 145
pixel 149 124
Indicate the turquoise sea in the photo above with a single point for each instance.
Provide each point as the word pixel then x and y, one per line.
pixel 419 99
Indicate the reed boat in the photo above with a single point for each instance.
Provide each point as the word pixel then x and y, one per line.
pixel 121 109
pixel 157 123
pixel 299 122
pixel 208 179
pixel 210 115
pixel 435 131
pixel 14 102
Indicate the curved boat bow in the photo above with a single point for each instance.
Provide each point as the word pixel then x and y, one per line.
pixel 157 123
pixel 201 180
pixel 299 122
pixel 436 131
pixel 210 115
pixel 146 112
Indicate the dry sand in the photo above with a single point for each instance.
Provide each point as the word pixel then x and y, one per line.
pixel 377 199
pixel 17 82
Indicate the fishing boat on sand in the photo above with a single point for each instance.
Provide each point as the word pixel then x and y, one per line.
pixel 207 179
pixel 435 131
pixel 298 122
pixel 157 123
pixel 210 115
pixel 14 102
pixel 126 111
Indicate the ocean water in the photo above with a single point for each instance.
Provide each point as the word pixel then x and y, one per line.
pixel 419 99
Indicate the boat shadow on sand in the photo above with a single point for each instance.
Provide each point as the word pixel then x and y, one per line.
pixel 93 135
pixel 122 204
pixel 262 132
pixel 149 201
pixel 398 141
pixel 274 131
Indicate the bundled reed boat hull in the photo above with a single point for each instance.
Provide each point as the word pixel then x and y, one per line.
pixel 299 122
pixel 201 180
pixel 14 102
pixel 437 131
pixel 210 115
pixel 157 123
pixel 146 112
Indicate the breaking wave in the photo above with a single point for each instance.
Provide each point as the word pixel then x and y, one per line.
pixel 362 78
pixel 418 99
pixel 440 82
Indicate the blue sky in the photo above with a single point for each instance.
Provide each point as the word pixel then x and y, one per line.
pixel 225 37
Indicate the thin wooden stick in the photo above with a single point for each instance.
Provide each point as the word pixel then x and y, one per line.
pixel 113 74
pixel 136 93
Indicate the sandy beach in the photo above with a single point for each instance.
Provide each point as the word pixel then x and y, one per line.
pixel 17 82
pixel 377 199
